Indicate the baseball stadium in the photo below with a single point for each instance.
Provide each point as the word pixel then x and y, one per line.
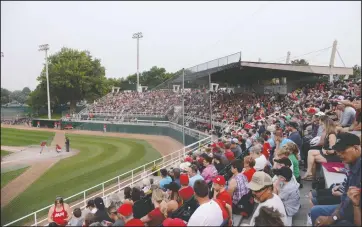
pixel 126 138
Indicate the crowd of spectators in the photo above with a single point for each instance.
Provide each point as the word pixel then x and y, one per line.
pixel 253 171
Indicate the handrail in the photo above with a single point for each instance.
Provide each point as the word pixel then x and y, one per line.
pixel 183 150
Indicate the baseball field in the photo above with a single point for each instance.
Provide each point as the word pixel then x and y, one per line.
pixel 99 158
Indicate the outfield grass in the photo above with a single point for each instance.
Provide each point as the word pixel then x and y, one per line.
pixel 100 159
pixel 18 137
pixel 4 153
pixel 9 176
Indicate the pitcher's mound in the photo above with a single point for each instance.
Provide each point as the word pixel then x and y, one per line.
pixel 29 156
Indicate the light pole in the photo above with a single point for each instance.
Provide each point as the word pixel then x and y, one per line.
pixel 137 36
pixel 45 47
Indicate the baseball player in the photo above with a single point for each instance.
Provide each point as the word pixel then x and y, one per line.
pixel 104 128
pixel 58 148
pixel 42 145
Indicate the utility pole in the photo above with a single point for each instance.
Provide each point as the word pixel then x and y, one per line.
pixel 288 58
pixel 138 36
pixel 331 61
pixel 45 47
pixel 210 107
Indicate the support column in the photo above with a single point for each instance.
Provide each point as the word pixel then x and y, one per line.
pixel 331 61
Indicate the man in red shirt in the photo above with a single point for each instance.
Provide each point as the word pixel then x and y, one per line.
pixel 186 191
pixel 249 170
pixel 228 153
pixel 104 128
pixel 219 190
pixel 125 211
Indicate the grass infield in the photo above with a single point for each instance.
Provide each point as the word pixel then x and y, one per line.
pixel 11 175
pixel 4 153
pixel 18 137
pixel 99 159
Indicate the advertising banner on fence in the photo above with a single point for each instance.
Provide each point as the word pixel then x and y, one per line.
pixel 274 89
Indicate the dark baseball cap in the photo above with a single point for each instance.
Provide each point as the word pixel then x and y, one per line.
pixel 346 140
pixel 285 161
pixel 285 172
pixel 99 203
pixel 292 124
pixel 90 203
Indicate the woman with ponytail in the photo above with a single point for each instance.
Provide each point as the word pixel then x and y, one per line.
pixel 159 214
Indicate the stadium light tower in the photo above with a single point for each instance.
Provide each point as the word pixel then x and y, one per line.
pixel 45 47
pixel 138 36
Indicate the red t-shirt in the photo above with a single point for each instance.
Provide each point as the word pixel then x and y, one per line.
pixel 266 150
pixel 186 193
pixel 249 174
pixel 224 196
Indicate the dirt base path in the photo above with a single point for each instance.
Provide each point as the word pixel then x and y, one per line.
pixel 163 144
pixel 22 182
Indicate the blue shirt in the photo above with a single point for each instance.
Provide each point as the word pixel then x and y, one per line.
pixel 297 139
pixel 195 178
pixel 285 141
pixel 271 142
pixel 353 179
pixel 165 181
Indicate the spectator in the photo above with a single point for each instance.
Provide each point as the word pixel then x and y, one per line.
pixel 348 212
pixel 157 215
pixel 280 141
pixel 60 212
pixel 166 179
pixel 175 200
pixel 210 171
pixel 101 214
pixel 77 219
pixel 235 148
pixel 290 150
pixel 328 196
pixel 262 188
pixel 127 197
pixel 260 160
pixel 173 222
pixel 125 215
pixel 294 135
pixel 238 184
pixel 249 170
pixel 266 146
pixel 268 217
pixel 90 208
pixel 320 156
pixel 209 212
pixel 217 162
pixel 136 194
pixel 228 153
pixel 113 214
pixel 348 115
pixel 288 192
pixel 194 175
pixel 89 219
pixel 186 191
pixel 176 176
pixel 220 192
pixel 114 200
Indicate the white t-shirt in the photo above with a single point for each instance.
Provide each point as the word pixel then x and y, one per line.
pixel 208 214
pixel 260 162
pixel 274 202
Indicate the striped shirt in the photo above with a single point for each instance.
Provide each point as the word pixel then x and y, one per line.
pixel 241 187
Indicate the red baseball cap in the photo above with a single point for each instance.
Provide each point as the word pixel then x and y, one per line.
pixel 188 159
pixel 125 209
pixel 229 155
pixel 219 180
pixel 134 222
pixel 184 179
pixel 173 222
pixel 201 160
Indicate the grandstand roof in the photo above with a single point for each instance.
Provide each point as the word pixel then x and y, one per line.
pixel 315 69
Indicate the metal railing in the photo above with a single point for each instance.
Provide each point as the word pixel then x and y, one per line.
pixel 133 176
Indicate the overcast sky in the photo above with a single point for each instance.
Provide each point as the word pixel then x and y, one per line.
pixel 176 34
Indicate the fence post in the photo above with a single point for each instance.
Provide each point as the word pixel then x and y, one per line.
pixel 144 168
pixel 85 203
pixel 35 221
pixel 119 184
pixel 103 188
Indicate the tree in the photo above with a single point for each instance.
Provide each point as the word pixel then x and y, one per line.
pixel 73 76
pixel 5 96
pixel 26 91
pixel 300 62
pixel 357 71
